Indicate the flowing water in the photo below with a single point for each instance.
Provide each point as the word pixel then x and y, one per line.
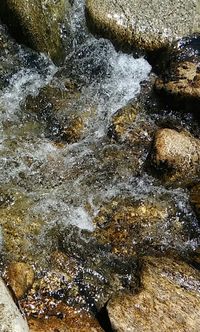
pixel 47 189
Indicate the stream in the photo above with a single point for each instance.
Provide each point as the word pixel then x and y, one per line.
pixel 52 191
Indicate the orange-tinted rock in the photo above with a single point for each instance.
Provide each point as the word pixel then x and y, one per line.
pixel 66 320
pixel 169 300
pixel 20 277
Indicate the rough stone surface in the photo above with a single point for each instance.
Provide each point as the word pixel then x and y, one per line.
pixel 169 300
pixel 11 319
pixel 20 277
pixel 151 25
pixel 66 320
pixel 176 156
pixel 182 85
pixel 36 23
pixel 130 227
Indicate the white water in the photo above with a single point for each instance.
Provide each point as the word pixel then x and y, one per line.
pixel 67 185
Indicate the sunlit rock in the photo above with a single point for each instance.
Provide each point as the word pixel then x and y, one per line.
pixel 129 227
pixel 19 231
pixel 37 23
pixel 176 156
pixel 65 319
pixel 169 299
pixel 20 277
pixel 148 25
pixel 10 317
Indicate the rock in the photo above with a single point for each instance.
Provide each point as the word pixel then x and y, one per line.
pixel 130 227
pixel 148 25
pixel 195 199
pixel 122 120
pixel 65 320
pixel 169 300
pixel 20 277
pixel 82 284
pixel 32 22
pixel 19 232
pixel 10 317
pixel 127 127
pixel 55 105
pixel 181 85
pixel 176 156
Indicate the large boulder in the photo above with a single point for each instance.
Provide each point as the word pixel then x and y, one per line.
pixel 36 23
pixel 175 156
pixel 150 25
pixel 169 300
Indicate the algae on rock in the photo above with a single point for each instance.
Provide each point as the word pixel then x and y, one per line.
pixel 37 24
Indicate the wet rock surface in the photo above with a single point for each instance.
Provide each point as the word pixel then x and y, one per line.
pixel 65 319
pixel 78 203
pixel 150 26
pixel 31 22
pixel 20 277
pixel 10 317
pixel 169 299
pixel 176 156
pixel 129 227
pixel 182 85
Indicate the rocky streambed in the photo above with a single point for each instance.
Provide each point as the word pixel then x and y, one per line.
pixel 100 166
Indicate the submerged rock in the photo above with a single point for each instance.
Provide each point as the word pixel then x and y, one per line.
pixel 148 25
pixel 20 277
pixel 83 284
pixel 169 299
pixel 37 23
pixel 10 317
pixel 56 105
pixel 176 156
pixel 131 227
pixel 65 319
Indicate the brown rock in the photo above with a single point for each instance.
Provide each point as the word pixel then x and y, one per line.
pixel 129 227
pixel 32 22
pixel 66 320
pixel 169 300
pixel 182 85
pixel 176 156
pixel 20 277
pixel 122 121
pixel 148 25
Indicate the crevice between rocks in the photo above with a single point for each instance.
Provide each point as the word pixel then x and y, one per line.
pixel 104 319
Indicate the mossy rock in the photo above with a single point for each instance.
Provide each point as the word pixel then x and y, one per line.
pixel 37 24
